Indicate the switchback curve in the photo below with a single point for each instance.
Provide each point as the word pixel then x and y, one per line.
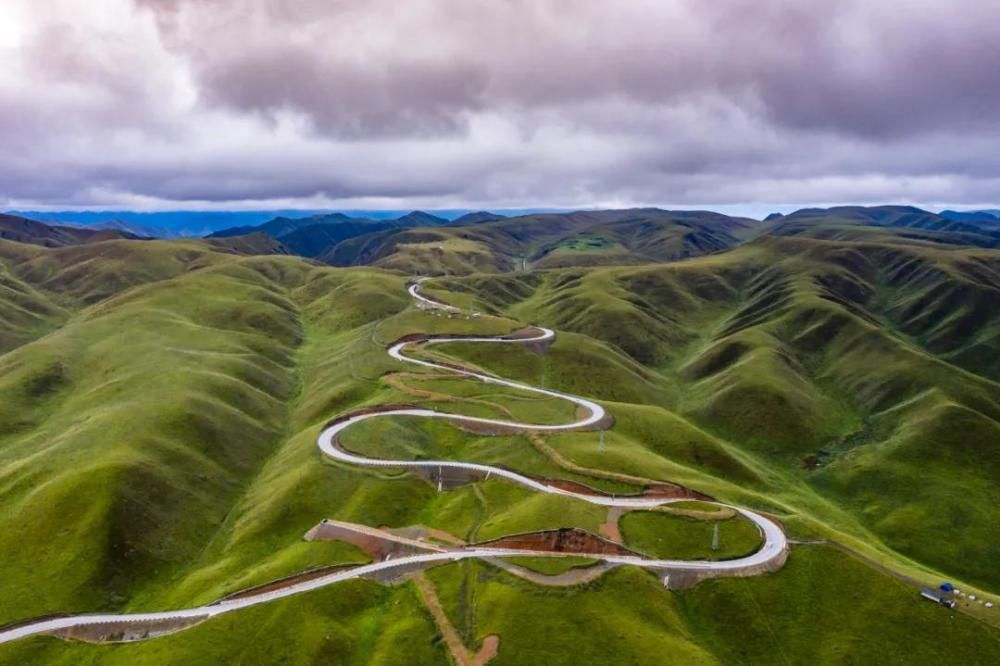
pixel 772 551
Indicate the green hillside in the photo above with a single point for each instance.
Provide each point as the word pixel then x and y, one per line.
pixel 862 376
pixel 23 230
pixel 161 402
pixel 545 241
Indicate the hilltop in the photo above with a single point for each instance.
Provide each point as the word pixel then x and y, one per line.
pixel 23 230
pixel 545 241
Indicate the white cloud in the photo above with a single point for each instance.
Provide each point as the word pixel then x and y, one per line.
pixel 199 103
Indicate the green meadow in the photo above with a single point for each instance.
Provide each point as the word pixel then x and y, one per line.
pixel 161 402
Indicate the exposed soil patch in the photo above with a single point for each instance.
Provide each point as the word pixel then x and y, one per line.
pixel 377 544
pixel 127 631
pixel 287 581
pixel 563 540
pixel 422 533
pixel 462 655
pixel 609 528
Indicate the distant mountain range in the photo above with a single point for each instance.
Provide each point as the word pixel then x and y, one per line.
pixel 318 235
pixel 177 224
pixel 24 230
pixel 989 217
pixel 423 243
pixel 158 224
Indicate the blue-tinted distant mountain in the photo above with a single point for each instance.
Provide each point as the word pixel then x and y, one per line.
pixel 477 218
pixel 317 235
pixel 907 222
pixel 133 228
pixel 174 224
pixel 282 226
pixel 23 230
pixel 419 218
pixel 981 217
pixel 316 239
pixel 170 224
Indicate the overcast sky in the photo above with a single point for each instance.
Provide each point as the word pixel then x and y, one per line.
pixel 739 105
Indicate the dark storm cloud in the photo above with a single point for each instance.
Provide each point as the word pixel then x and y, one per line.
pixel 865 68
pixel 514 102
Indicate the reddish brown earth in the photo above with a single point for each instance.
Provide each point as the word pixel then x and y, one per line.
pixel 563 540
pixel 279 583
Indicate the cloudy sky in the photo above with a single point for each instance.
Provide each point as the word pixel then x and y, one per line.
pixel 730 104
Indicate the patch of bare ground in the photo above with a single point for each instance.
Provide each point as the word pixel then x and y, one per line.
pixel 280 583
pixel 462 655
pixel 423 533
pixel 609 528
pixel 126 631
pixel 563 540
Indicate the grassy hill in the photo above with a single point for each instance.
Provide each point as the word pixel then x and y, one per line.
pixel 545 241
pixel 316 235
pixel 161 402
pixel 887 224
pixel 23 230
pixel 862 375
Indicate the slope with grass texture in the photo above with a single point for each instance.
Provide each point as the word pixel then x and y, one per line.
pixel 814 360
pixel 178 388
pixel 582 238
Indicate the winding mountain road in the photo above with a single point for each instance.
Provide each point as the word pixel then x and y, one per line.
pixel 773 548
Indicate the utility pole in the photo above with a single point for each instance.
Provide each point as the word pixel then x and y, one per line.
pixel 715 537
pixel 600 445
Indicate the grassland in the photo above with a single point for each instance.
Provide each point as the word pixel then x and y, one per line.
pixel 823 607
pixel 552 566
pixel 666 536
pixel 545 241
pixel 798 376
pixel 161 403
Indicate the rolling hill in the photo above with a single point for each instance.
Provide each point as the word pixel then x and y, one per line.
pixel 889 223
pixel 23 230
pixel 981 217
pixel 545 241
pixel 161 401
pixel 866 372
pixel 161 224
pixel 318 234
pixel 281 226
